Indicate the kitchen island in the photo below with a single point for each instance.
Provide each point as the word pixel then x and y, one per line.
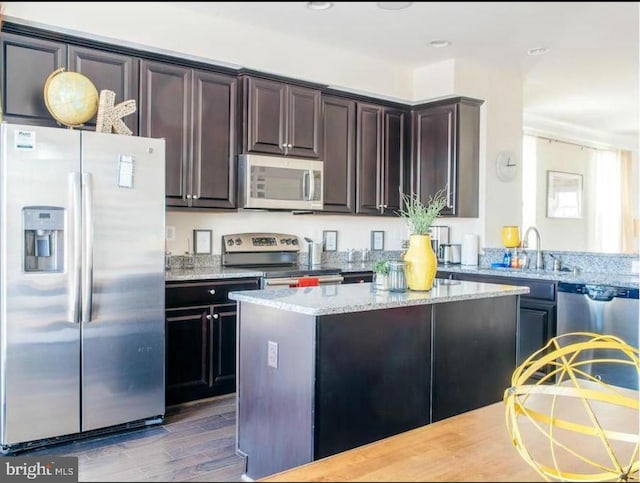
pixel 325 369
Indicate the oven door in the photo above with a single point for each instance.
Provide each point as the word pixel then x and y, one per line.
pixel 293 282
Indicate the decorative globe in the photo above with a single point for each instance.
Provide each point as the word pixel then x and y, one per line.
pixel 70 97
pixel 570 425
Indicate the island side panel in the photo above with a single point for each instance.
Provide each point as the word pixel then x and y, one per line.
pixel 372 377
pixel 474 353
pixel 275 405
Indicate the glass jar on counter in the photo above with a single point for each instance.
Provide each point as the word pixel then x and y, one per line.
pixel 398 282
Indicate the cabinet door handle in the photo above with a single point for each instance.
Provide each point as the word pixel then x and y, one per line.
pixel 188 197
pixel 216 316
pixel 284 145
pixel 449 160
pixel 212 291
pixel 289 146
pixel 208 317
pixel 195 197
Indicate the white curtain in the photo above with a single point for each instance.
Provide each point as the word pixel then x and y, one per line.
pixel 629 202
pixel 608 209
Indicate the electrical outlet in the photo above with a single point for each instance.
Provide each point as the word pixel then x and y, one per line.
pixel 272 354
pixel 170 234
pixel 405 244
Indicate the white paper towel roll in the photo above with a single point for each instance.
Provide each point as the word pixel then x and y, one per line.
pixel 469 249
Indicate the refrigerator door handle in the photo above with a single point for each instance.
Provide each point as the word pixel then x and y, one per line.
pixel 87 276
pixel 76 214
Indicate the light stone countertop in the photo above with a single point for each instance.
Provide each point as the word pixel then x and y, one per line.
pixel 209 273
pixel 219 272
pixel 615 279
pixel 597 278
pixel 360 297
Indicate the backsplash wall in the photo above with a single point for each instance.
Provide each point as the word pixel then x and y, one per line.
pixel 626 264
pixel 353 231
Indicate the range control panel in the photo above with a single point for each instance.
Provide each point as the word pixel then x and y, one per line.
pixel 260 242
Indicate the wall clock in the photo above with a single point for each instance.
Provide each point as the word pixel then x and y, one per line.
pixel 506 167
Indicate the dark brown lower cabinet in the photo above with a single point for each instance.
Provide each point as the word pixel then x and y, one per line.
pixel 188 337
pixel 312 386
pixel 474 354
pixel 537 323
pixel 201 338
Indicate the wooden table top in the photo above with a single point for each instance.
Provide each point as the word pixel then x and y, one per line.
pixel 473 446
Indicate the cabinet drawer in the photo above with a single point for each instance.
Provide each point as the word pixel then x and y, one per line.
pixel 357 277
pixel 541 290
pixel 208 292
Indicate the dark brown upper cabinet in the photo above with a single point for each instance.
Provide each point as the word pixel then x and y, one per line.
pixel 27 62
pixel 339 148
pixel 195 112
pixel 380 157
pixel 445 143
pixel 107 70
pixel 281 119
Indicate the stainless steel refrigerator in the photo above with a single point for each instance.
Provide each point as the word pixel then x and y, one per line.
pixel 81 283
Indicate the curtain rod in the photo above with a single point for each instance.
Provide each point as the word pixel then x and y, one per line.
pixel 582 146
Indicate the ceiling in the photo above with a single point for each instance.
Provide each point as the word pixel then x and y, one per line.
pixel 588 79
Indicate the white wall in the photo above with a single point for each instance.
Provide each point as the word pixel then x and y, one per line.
pixel 353 231
pixel 434 80
pixel 564 233
pixel 539 126
pixel 501 129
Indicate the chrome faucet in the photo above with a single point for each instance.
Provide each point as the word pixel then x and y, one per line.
pixel 539 260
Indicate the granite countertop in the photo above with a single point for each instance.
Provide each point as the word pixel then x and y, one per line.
pixel 599 278
pixel 218 271
pixel 615 279
pixel 206 273
pixel 360 297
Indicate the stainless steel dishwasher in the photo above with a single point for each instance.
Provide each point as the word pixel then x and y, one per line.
pixel 601 309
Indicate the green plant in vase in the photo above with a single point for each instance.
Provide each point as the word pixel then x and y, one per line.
pixel 381 278
pixel 421 262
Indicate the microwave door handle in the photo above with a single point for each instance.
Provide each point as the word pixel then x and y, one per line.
pixel 312 185
pixel 305 185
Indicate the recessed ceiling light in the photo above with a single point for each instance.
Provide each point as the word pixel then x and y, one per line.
pixel 394 5
pixel 538 51
pixel 319 5
pixel 439 43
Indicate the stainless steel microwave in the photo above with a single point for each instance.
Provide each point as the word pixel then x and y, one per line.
pixel 280 183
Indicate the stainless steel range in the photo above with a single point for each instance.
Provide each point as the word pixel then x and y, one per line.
pixel 278 255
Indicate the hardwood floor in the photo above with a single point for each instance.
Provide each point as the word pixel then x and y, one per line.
pixel 196 443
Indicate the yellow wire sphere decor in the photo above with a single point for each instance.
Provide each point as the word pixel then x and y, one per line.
pixel 568 424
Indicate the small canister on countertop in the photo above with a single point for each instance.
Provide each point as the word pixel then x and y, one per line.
pixel 398 282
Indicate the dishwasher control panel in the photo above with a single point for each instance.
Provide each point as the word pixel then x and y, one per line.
pixel 598 292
